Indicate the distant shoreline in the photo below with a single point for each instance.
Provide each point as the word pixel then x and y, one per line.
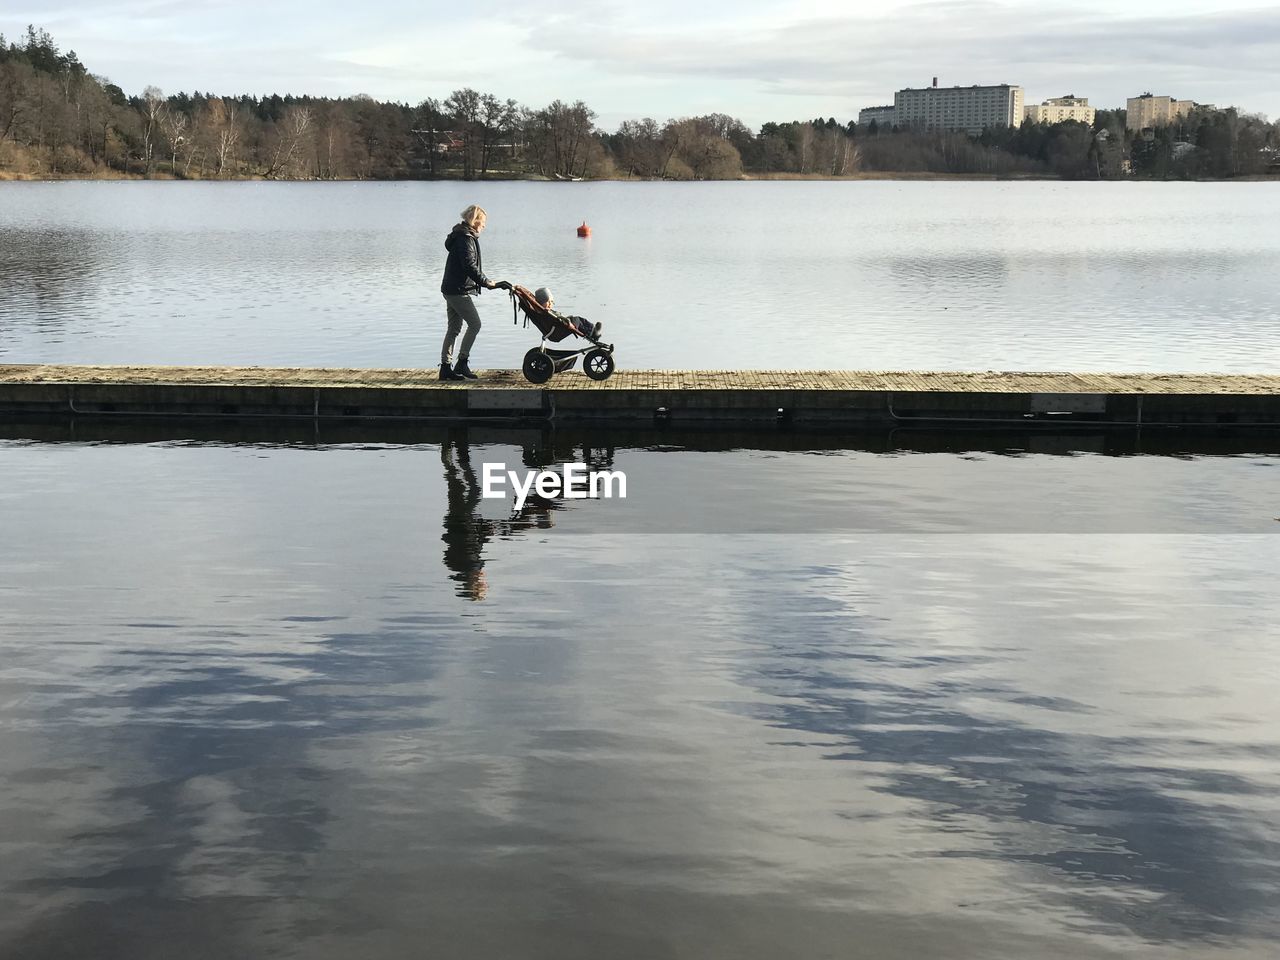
pixel 916 175
pixel 115 176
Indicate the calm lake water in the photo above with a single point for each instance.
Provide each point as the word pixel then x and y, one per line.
pixel 310 698
pixel 866 275
pixel 300 691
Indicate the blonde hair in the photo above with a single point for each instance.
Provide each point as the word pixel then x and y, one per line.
pixel 473 215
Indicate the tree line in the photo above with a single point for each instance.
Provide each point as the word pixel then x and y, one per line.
pixel 56 118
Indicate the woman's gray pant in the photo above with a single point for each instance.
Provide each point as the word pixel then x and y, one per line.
pixel 460 309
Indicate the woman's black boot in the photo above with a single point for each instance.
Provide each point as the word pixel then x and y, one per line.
pixel 447 372
pixel 463 372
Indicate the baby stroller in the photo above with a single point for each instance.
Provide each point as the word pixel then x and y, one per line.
pixel 540 363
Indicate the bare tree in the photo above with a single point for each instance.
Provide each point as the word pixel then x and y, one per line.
pixel 289 133
pixel 677 136
pixel 428 126
pixel 221 123
pixel 14 82
pixel 570 128
pixel 639 147
pixel 154 111
pixel 495 118
pixel 298 122
pixel 695 148
pixel 465 107
pixel 847 159
pixel 175 129
pixel 560 138
pixel 804 145
pixel 512 126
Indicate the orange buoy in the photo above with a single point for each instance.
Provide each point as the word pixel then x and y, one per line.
pixel 584 230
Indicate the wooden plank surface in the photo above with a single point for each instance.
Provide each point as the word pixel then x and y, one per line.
pixel 907 381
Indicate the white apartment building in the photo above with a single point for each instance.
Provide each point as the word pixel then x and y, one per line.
pixel 1146 111
pixel 1059 109
pixel 959 108
pixel 885 117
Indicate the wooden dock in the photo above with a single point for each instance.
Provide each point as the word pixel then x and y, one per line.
pixel 837 397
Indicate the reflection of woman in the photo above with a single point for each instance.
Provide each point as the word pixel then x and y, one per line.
pixel 465 531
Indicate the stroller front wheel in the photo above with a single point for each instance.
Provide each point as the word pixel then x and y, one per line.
pixel 538 367
pixel 598 364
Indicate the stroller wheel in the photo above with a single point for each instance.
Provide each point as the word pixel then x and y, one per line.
pixel 538 367
pixel 598 364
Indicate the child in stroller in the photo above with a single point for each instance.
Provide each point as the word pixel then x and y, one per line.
pixel 581 325
pixel 541 362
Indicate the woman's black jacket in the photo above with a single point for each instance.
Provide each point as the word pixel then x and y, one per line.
pixel 463 272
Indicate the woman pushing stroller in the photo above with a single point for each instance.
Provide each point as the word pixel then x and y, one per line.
pixel 463 277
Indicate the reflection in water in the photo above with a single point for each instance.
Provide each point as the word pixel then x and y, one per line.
pixel 241 706
pixel 1137 834
pixel 467 531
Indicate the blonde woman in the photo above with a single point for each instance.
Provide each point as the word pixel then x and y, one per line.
pixel 463 277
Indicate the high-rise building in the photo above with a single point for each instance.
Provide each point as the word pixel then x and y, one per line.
pixel 1146 111
pixel 884 117
pixel 1058 109
pixel 971 109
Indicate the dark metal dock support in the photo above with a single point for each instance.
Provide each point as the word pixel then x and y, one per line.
pixel 792 397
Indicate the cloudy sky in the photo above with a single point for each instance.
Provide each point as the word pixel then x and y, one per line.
pixel 756 59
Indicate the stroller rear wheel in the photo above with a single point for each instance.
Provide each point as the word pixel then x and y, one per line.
pixel 538 367
pixel 598 364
